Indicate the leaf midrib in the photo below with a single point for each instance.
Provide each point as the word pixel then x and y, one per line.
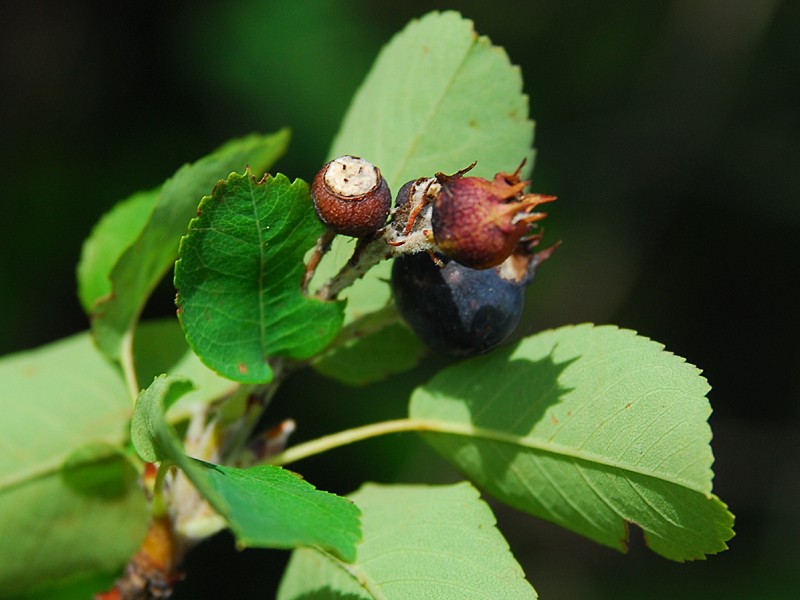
pixel 555 449
pixel 435 107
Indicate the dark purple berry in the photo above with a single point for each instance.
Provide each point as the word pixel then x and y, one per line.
pixel 455 309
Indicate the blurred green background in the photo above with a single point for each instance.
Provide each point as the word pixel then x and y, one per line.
pixel 670 130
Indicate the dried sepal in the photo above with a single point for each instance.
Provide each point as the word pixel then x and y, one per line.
pixel 478 222
pixel 410 227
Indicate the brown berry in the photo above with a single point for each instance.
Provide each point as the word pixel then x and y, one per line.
pixel 479 222
pixel 351 196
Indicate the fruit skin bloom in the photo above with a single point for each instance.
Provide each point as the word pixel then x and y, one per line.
pixel 478 222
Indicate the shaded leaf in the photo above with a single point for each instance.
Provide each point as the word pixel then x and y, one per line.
pixel 152 437
pixel 239 275
pixel 160 348
pixel 112 235
pixel 265 506
pixel 99 469
pixel 73 588
pixel 419 542
pixel 142 265
pixel 69 505
pixel 270 507
pixel 592 428
pixel 375 356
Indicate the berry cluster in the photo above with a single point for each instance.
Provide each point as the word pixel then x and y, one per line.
pixel 463 246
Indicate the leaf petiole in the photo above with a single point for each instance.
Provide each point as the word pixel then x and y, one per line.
pixel 365 432
pixel 128 366
pixel 159 508
pixel 367 253
pixel 343 438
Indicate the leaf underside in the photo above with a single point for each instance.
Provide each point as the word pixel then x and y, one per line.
pixel 62 473
pixel 592 428
pixel 419 542
pixel 437 98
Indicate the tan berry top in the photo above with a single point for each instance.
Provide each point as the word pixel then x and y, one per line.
pixel 351 176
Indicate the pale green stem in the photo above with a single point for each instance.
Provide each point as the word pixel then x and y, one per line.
pixel 357 434
pixel 159 507
pixel 526 442
pixel 128 367
pixel 365 256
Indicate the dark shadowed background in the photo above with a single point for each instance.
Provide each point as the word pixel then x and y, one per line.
pixel 670 130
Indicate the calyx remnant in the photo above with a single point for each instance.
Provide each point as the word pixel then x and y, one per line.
pixel 351 196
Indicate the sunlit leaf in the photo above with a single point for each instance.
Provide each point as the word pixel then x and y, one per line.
pixel 270 507
pixel 419 542
pixel 151 435
pixel 239 277
pixel 592 428
pixel 438 97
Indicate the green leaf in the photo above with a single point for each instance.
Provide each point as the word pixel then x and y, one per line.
pixel 160 348
pixel 366 296
pixel 69 505
pixel 270 507
pixel 437 98
pixel 592 428
pixel 239 276
pixel 419 542
pixel 372 357
pixel 99 469
pixel 73 588
pixel 112 235
pixel 265 506
pixel 152 437
pixel 142 265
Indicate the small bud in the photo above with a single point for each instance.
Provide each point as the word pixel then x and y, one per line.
pixel 351 196
pixel 479 222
